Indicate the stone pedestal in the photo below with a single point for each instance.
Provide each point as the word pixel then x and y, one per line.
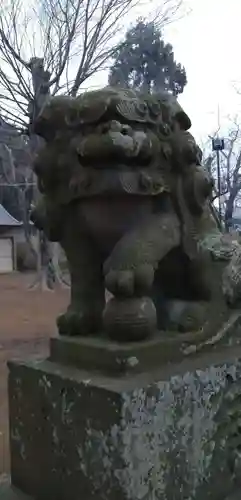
pixel 170 433
pixel 7 492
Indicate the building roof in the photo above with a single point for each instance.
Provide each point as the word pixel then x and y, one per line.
pixel 6 219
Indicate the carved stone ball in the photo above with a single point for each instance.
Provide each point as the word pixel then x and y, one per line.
pixel 130 320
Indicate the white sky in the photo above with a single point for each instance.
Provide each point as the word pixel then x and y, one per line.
pixel 207 43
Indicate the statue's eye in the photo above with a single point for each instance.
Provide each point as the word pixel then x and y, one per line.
pixel 141 107
pixel 105 128
pixel 126 130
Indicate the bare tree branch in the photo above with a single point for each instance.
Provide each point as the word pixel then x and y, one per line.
pixel 230 163
pixel 53 46
pixel 73 38
pixel 10 176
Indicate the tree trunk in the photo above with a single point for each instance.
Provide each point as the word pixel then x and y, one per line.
pixel 40 78
pixel 229 210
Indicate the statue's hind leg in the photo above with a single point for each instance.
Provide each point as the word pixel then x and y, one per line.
pixel 182 291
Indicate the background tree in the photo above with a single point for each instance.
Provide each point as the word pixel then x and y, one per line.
pixel 15 170
pixel 49 47
pixel 144 61
pixel 54 46
pixel 230 167
pixel 16 190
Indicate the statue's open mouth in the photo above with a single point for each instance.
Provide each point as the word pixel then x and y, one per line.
pixel 115 142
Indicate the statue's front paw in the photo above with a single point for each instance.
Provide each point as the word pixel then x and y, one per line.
pixel 129 282
pixel 77 323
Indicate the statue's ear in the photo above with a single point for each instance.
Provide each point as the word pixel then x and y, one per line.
pixel 176 111
pixel 183 120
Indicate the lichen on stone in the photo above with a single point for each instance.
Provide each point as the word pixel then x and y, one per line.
pixel 167 437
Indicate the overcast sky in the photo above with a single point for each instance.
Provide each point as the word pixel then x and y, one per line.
pixel 207 42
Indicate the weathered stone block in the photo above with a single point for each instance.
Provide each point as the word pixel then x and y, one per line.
pixel 170 435
pixel 9 493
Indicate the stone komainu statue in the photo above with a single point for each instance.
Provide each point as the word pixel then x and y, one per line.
pixel 124 192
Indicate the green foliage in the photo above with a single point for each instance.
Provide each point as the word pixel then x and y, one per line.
pixel 145 62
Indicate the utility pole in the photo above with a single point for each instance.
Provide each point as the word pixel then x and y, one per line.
pixel 218 145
